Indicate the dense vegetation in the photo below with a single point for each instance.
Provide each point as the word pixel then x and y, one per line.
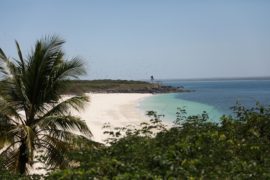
pixel 194 148
pixel 83 86
pixel 118 86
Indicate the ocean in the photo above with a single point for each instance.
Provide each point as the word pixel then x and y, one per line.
pixel 214 97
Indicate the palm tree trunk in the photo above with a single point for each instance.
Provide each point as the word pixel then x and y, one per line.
pixel 22 158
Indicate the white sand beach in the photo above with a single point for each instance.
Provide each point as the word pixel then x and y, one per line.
pixel 118 109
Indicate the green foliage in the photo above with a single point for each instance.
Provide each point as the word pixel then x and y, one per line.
pixel 107 85
pixel 194 148
pixel 33 117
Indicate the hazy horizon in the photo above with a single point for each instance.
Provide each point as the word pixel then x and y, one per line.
pixel 171 39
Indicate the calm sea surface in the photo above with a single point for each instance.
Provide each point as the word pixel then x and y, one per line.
pixel 215 97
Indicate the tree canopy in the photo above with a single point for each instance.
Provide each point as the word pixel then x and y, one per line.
pixel 33 115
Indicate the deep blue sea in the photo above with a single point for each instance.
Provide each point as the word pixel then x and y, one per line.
pixel 215 97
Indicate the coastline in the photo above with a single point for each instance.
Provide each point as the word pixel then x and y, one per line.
pixel 117 109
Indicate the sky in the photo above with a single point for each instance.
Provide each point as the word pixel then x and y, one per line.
pixel 134 39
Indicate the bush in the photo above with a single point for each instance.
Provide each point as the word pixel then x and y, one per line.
pixel 237 147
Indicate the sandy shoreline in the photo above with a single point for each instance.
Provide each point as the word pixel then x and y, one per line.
pixel 118 109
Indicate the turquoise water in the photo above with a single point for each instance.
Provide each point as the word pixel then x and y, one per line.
pixel 215 97
pixel 167 104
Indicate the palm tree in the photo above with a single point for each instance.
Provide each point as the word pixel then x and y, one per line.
pixel 32 114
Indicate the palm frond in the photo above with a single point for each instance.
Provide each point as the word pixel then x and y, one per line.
pixel 10 158
pixel 8 68
pixel 65 123
pixel 6 124
pixel 22 64
pixel 74 139
pixel 75 102
pixel 3 56
pixel 61 72
pixel 47 54
pixel 63 135
pixel 69 69
pixel 10 155
pixel 11 86
pixel 55 150
pixel 7 109
pixel 3 59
